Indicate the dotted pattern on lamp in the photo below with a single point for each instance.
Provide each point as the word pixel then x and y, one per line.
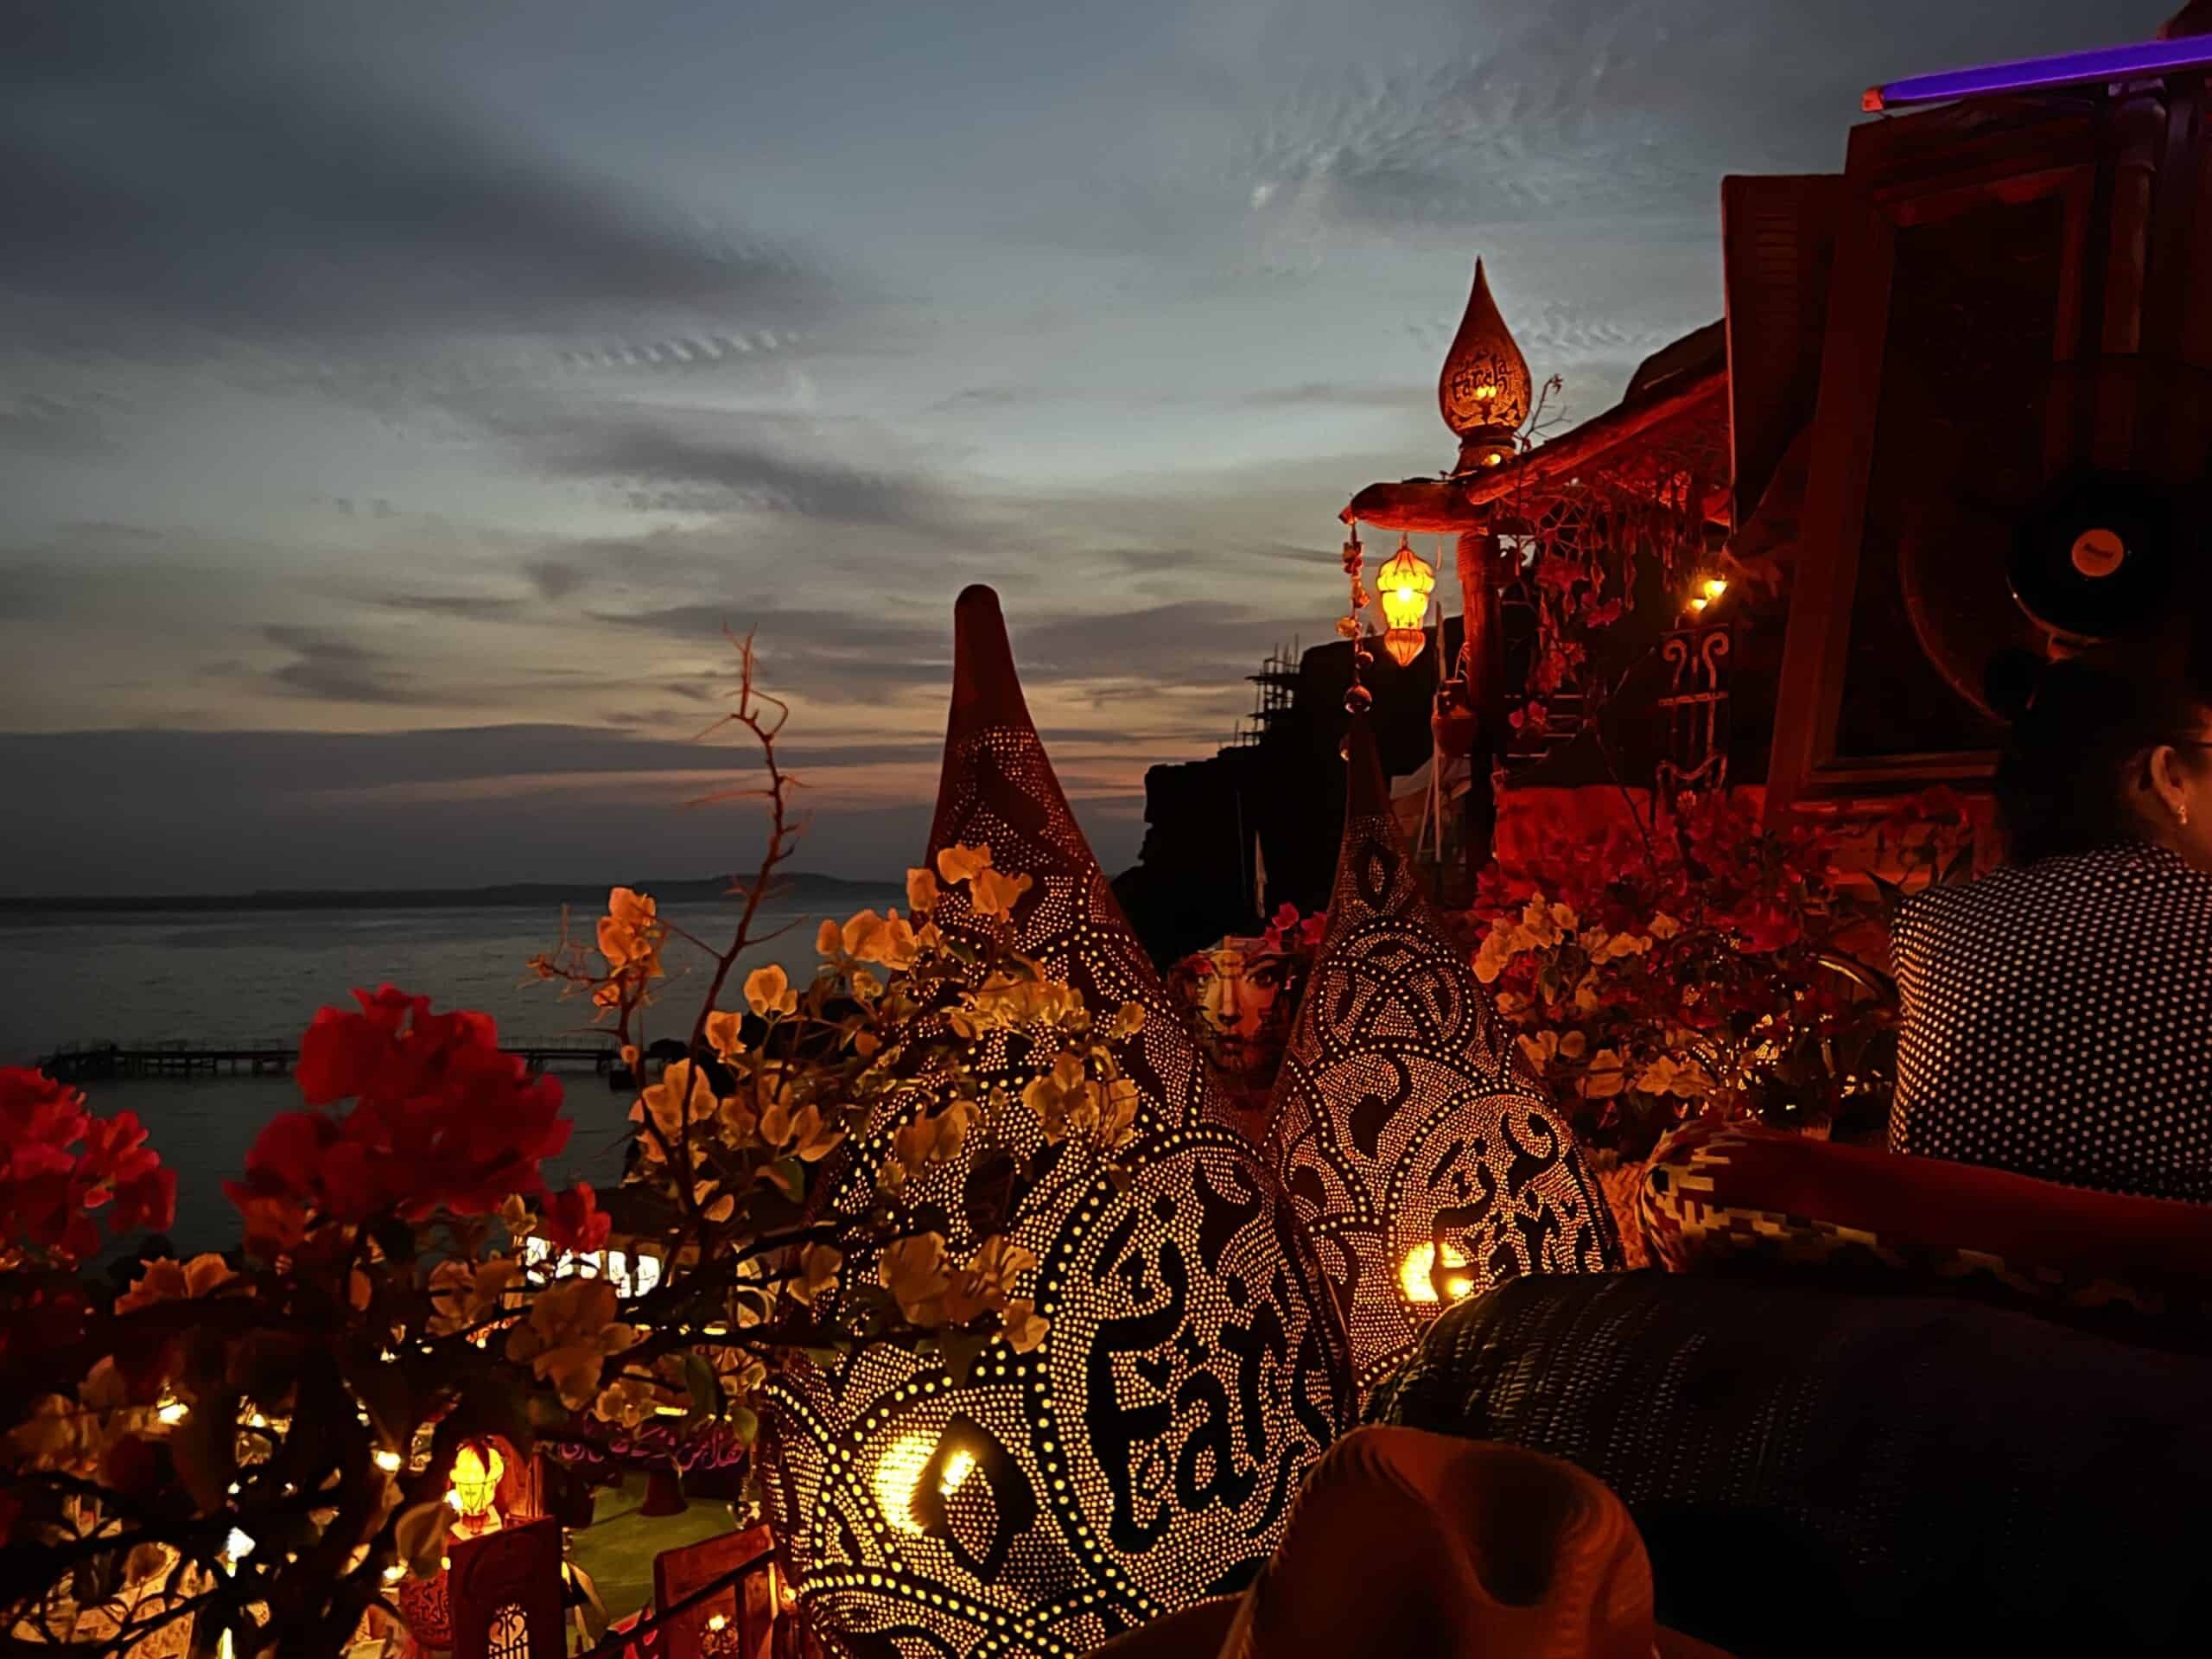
pixel 1426 1166
pixel 1147 1454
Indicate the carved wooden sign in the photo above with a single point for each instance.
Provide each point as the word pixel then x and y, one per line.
pixel 737 1619
pixel 505 1592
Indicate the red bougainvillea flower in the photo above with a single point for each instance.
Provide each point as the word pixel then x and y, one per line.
pixel 574 1221
pixel 48 1186
pixel 441 1119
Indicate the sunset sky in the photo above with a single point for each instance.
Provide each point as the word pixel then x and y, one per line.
pixel 397 399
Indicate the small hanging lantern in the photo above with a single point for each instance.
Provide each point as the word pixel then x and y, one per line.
pixel 477 1469
pixel 1404 584
pixel 1707 589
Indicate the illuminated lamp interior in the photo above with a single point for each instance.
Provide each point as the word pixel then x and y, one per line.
pixel 1418 1278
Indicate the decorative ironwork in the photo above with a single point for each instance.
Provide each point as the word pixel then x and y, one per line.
pixel 1146 1453
pixel 1696 707
pixel 1424 1163
pixel 509 1634
pixel 1575 554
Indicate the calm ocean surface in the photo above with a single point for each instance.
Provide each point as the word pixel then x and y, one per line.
pixel 232 979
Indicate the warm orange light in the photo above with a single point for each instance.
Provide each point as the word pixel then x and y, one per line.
pixel 1715 586
pixel 899 1477
pixel 1404 645
pixel 477 1468
pixel 1403 584
pixel 1418 1275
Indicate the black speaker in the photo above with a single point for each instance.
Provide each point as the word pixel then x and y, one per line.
pixel 2096 557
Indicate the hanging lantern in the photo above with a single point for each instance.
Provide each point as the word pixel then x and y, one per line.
pixel 1145 1454
pixel 478 1468
pixel 1705 590
pixel 1425 1164
pixel 1404 584
pixel 1485 389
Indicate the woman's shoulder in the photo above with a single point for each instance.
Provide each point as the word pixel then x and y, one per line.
pixel 2053 888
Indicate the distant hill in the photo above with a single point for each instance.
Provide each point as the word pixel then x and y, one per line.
pixel 801 888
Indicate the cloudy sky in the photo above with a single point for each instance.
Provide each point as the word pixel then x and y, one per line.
pixel 397 400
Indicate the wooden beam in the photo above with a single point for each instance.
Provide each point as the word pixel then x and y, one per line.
pixel 1453 505
pixel 1437 505
pixel 1587 442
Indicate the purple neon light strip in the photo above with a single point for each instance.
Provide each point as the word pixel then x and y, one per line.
pixel 2067 69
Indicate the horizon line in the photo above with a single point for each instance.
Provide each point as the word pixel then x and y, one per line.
pixel 396 898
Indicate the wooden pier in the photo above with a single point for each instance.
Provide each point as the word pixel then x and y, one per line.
pixel 105 1063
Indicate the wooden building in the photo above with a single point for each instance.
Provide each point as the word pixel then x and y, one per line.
pixel 1788 556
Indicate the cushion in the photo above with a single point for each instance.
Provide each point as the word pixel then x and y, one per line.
pixel 1722 1197
pixel 1814 1472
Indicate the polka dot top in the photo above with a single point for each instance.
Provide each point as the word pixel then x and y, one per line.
pixel 2057 1022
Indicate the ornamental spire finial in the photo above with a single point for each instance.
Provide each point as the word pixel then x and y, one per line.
pixel 1484 390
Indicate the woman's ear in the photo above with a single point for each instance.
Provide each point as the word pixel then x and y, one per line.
pixel 2168 781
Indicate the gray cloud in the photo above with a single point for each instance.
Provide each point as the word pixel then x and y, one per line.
pixel 691 460
pixel 42 425
pixel 330 669
pixel 837 655
pixel 476 607
pixel 554 579
pixel 1326 395
pixel 220 165
pixel 1450 119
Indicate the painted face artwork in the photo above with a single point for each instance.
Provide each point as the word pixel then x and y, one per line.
pixel 1240 992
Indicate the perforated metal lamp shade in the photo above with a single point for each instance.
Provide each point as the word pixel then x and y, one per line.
pixel 1425 1165
pixel 1145 1455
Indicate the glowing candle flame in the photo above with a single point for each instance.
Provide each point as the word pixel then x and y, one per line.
pixel 957 1468
pixel 1416 1275
pixel 898 1475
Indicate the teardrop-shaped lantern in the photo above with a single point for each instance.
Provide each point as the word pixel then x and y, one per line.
pixel 1145 1455
pixel 1402 587
pixel 1422 1160
pixel 1485 391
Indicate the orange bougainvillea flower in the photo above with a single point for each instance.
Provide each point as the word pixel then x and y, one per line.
pixel 630 933
pixel 957 864
pixel 993 892
pixel 166 1279
pixel 921 892
pixel 569 1336
pixel 725 1035
pixel 769 990
pixel 913 1270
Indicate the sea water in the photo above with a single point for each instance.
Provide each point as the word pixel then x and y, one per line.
pixel 252 978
